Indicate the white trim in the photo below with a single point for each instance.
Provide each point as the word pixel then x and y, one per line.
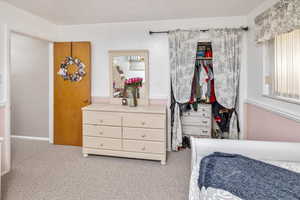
pixel 51 94
pixel 275 110
pixel 7 125
pixel 283 99
pixel 1 151
pixel 30 138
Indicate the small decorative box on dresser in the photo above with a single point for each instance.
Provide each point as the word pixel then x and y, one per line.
pixel 122 131
pixel 198 123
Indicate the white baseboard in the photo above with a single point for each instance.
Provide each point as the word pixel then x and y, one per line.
pixel 30 138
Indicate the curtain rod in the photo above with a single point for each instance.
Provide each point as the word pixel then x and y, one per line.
pixel 204 30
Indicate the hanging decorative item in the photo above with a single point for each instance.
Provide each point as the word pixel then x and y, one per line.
pixel 76 76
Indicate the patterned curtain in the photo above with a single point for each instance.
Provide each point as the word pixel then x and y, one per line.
pixel 226 45
pixel 283 17
pixel 183 48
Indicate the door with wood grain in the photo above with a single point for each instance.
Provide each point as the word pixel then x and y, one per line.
pixel 70 97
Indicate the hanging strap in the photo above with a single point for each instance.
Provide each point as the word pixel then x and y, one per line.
pixel 71 49
pixel 235 105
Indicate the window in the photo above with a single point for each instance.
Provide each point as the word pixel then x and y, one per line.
pixel 282 66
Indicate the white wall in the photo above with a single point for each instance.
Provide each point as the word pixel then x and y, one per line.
pixel 134 35
pixel 255 71
pixel 26 23
pixel 12 18
pixel 29 86
pixel 3 48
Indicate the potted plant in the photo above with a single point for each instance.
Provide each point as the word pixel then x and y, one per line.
pixel 132 86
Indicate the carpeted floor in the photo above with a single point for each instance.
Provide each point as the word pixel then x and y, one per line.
pixel 48 172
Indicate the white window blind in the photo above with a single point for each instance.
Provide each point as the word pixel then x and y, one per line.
pixel 286 72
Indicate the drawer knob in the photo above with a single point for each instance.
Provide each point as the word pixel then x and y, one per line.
pixel 101 121
pixel 101 145
pixel 100 133
pixel 144 148
pixel 143 136
pixel 143 123
pixel 204 122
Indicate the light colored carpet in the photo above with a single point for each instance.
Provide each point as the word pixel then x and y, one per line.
pixel 48 172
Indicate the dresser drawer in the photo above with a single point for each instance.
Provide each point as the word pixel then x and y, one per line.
pixel 198 114
pixel 144 134
pixel 102 143
pixel 204 109
pixel 205 115
pixel 196 130
pixel 102 118
pixel 143 146
pixel 144 120
pixel 102 131
pixel 196 121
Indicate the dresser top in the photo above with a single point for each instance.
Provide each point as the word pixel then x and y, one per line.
pixel 152 109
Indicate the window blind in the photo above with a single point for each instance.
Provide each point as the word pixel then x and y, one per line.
pixel 287 65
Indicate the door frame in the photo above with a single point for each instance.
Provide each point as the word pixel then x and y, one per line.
pixel 7 95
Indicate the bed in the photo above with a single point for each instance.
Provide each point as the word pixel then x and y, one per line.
pixel 281 154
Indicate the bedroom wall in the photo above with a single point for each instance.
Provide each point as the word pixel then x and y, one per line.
pixel 14 19
pixel 24 22
pixel 134 35
pixel 289 111
pixel 265 125
pixel 104 37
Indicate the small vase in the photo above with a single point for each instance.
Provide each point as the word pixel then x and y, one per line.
pixel 132 98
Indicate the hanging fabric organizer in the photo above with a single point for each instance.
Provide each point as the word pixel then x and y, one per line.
pixel 226 44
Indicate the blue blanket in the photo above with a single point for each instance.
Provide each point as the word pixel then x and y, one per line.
pixel 248 179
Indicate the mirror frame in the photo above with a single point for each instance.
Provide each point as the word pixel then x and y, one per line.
pixel 116 53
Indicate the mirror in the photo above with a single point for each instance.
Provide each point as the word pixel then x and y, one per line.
pixel 127 67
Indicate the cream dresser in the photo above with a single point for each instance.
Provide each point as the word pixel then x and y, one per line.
pixel 116 130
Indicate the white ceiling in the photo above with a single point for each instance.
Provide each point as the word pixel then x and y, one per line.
pixel 103 11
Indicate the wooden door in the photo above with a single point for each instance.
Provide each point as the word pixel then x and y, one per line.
pixel 70 97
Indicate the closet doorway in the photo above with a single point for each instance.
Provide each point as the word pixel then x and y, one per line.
pixel 29 87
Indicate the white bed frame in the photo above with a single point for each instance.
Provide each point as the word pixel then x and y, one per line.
pixel 276 151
